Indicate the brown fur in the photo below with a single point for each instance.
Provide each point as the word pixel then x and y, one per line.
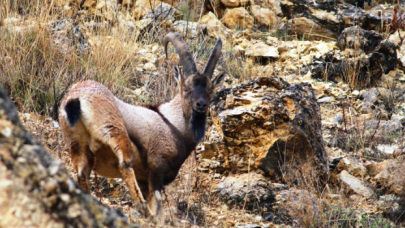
pixel 144 147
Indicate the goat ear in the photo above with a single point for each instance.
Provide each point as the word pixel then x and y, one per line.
pixel 178 76
pixel 217 80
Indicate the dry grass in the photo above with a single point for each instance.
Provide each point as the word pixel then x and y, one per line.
pixel 37 70
pixel 319 203
pixel 38 63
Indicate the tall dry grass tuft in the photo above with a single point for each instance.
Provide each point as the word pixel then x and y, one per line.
pixel 37 65
pixel 319 204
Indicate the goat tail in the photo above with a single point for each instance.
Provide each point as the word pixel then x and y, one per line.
pixel 73 111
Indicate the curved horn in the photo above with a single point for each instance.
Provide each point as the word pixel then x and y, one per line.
pixel 186 59
pixel 215 54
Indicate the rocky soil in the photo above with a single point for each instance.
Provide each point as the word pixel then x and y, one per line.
pixel 306 131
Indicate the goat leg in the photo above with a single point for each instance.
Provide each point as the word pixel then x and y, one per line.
pixel 128 175
pixel 121 146
pixel 155 183
pixel 83 161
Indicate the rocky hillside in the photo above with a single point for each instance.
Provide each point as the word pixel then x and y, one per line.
pixel 307 129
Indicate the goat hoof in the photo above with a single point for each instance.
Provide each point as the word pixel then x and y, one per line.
pixel 144 210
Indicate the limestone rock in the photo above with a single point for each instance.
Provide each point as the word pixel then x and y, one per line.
pixel 369 42
pixel 390 179
pixel 252 187
pixel 358 186
pixel 235 3
pixel 323 21
pixel 326 100
pixel 143 7
pixel 353 166
pixel 272 5
pixel 215 28
pixel 264 123
pixel 67 36
pixel 215 6
pixel 370 96
pixel 106 9
pixel 238 18
pixel 401 56
pixel 162 12
pixel 375 168
pixel 359 68
pixel 264 16
pixel 397 39
pixel 289 200
pixel 311 30
pixel 387 149
pixel 36 189
pixel 175 3
pixel 189 29
pixel 358 38
pixel 261 49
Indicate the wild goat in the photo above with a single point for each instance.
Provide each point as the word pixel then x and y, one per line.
pixel 148 145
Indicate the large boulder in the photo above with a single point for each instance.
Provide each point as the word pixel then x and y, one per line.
pixel 260 125
pixel 35 189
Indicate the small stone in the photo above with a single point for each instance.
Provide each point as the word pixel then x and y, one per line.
pixel 65 197
pixel 262 50
pixel 5 128
pixel 387 149
pixel 370 96
pixel 235 3
pixel 326 100
pixel 188 28
pixel 51 187
pixel 54 167
pixel 258 218
pixel 358 186
pixel 353 166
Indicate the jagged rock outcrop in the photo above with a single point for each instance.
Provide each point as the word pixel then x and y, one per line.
pixel 367 57
pixel 35 189
pixel 324 20
pixel 260 125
